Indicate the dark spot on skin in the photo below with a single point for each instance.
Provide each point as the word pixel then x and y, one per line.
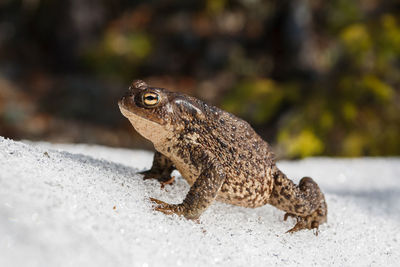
pixel 283 191
pixel 320 212
pixel 222 143
pixel 297 207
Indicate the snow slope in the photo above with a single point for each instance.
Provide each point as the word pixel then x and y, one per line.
pixel 77 205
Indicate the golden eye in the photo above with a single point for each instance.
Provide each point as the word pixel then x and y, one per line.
pixel 150 99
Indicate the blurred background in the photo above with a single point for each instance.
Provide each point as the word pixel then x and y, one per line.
pixel 313 77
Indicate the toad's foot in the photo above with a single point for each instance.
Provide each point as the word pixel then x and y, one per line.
pixel 160 170
pixel 311 221
pixel 170 181
pixel 167 208
pixel 164 179
pixel 302 223
pixel 304 202
pixel 291 215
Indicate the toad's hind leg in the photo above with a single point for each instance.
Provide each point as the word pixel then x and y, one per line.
pixel 305 201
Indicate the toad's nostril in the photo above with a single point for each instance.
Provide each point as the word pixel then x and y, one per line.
pixel 127 94
pixel 124 99
pixel 121 101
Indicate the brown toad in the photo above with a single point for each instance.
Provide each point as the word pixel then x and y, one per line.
pixel 219 155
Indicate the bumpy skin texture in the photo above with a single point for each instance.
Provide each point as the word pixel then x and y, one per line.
pixel 220 156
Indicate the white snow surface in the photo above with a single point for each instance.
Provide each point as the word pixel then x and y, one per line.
pixel 80 205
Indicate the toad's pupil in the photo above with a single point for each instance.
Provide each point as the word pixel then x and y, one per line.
pixel 151 97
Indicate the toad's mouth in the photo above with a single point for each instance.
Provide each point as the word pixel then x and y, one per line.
pixel 149 129
pixel 127 107
pixel 124 110
pixel 133 117
pixel 136 115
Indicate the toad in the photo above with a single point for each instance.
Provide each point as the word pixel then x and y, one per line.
pixel 218 154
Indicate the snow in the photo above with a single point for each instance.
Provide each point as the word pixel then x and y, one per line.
pixel 80 205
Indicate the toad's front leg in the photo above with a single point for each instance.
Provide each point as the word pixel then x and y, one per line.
pixel 200 196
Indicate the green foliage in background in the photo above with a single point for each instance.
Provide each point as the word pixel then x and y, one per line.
pixel 119 53
pixel 352 111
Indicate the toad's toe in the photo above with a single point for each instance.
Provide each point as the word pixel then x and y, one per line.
pixel 166 208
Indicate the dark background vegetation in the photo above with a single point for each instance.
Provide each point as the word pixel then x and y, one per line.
pixel 313 77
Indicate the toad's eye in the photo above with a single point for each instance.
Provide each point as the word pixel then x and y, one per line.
pixel 151 99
